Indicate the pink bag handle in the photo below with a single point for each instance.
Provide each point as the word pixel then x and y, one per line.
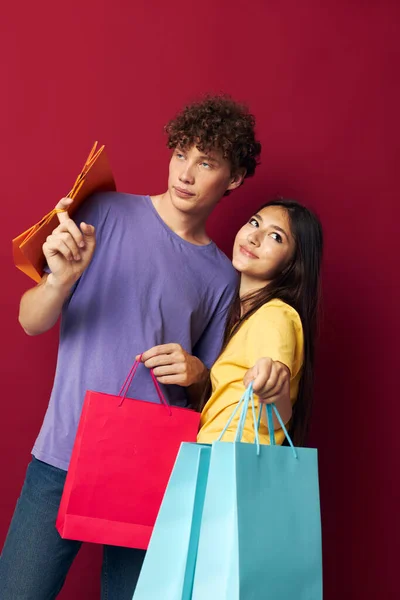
pixel 127 383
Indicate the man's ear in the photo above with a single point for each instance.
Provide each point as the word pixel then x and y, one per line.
pixel 237 180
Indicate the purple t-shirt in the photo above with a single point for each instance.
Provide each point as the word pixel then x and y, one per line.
pixel 145 286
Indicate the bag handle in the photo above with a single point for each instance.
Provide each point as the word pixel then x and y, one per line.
pixel 271 429
pixel 243 406
pixel 235 410
pixel 128 381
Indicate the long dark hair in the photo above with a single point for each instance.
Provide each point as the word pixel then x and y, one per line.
pixel 299 286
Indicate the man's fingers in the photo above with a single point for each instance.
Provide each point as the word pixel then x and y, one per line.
pixel 70 227
pixel 69 241
pixel 73 229
pixel 167 348
pixel 88 230
pixel 175 369
pixel 171 379
pixel 163 349
pixel 166 360
pixel 54 246
pixel 63 205
pixel 72 240
pixel 157 361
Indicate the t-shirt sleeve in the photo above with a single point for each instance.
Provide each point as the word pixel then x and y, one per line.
pixel 209 345
pixel 275 332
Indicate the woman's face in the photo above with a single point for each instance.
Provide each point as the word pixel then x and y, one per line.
pixel 264 246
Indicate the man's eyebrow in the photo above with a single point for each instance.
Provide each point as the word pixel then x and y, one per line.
pixel 209 157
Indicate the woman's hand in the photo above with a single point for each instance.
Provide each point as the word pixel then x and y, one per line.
pixel 271 380
pixel 271 383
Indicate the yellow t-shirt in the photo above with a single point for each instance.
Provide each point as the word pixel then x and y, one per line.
pixel 275 331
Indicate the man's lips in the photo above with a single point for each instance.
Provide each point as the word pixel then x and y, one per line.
pixel 182 192
pixel 247 252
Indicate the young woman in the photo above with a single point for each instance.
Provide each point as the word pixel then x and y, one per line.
pixel 273 320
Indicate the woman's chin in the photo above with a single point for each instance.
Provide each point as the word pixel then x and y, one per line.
pixel 238 264
pixel 242 267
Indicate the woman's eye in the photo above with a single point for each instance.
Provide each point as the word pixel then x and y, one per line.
pixel 276 237
pixel 253 222
pixel 179 155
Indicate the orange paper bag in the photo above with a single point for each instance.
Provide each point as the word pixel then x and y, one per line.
pixel 96 176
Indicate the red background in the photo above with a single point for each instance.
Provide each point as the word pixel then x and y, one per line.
pixel 323 82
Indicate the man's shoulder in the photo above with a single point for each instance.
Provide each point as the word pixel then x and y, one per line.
pixel 114 207
pixel 224 265
pixel 117 199
pixel 220 278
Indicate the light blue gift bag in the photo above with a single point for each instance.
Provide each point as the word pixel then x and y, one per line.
pixel 168 568
pixel 260 536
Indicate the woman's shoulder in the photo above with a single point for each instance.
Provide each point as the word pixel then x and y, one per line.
pixel 278 311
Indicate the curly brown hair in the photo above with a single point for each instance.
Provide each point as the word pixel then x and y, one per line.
pixel 218 123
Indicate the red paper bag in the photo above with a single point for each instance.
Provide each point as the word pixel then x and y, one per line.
pixel 122 458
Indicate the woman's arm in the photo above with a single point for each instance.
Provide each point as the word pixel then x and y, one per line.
pixel 271 383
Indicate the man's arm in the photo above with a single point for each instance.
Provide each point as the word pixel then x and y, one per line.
pixel 41 306
pixel 171 364
pixel 68 251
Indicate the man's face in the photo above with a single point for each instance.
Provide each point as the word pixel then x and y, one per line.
pixel 197 180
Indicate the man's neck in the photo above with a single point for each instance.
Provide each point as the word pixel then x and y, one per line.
pixel 188 226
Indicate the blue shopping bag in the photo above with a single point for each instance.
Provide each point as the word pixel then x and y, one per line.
pixel 168 567
pixel 260 535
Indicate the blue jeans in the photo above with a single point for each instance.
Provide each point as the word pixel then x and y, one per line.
pixel 35 559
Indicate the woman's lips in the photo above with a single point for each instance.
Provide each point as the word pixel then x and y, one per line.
pixel 247 252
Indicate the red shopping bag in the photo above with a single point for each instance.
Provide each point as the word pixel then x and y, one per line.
pixel 122 458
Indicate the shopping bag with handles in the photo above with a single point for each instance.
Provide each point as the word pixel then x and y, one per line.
pixel 96 176
pixel 260 534
pixel 122 458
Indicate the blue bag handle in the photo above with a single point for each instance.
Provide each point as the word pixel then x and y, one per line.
pixel 243 402
pixel 243 406
pixel 268 409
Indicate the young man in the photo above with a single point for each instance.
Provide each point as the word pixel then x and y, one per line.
pixel 129 273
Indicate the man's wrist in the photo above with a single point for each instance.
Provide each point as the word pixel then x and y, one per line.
pixel 57 286
pixel 200 371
